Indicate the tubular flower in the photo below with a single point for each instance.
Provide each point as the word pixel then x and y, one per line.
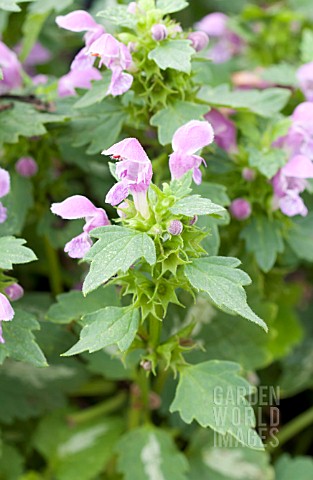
pixel 187 140
pixel 115 56
pixel 224 130
pixel 305 78
pixel 11 69
pixel 6 313
pixel 134 171
pixel 4 190
pixel 76 207
pixel 81 21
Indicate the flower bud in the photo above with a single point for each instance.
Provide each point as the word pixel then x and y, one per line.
pixel 248 174
pixel 146 365
pixel 26 167
pixel 199 40
pixel 175 227
pixel 159 32
pixel 132 8
pixel 14 292
pixel 3 213
pixel 240 209
pixel 193 220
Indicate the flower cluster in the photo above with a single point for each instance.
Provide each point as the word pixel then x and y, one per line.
pixel 290 180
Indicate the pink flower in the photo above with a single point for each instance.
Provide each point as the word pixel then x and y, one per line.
pixel 14 292
pixel 199 40
pixel 240 209
pixel 120 82
pixel 77 79
pixel 26 167
pixel 159 32
pixel 76 207
pixel 6 313
pixel 224 130
pixel 81 21
pixel 11 70
pixel 4 190
pixel 305 78
pixel 134 171
pixel 187 140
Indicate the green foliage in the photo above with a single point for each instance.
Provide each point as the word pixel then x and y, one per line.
pixel 219 278
pixel 286 467
pixel 306 46
pixel 12 251
pixel 210 393
pixel 299 237
pixel 12 5
pixel 267 162
pixel 108 326
pixel 149 452
pixel 18 203
pixel 171 7
pixel 118 15
pixel 174 54
pixel 196 205
pixel 96 94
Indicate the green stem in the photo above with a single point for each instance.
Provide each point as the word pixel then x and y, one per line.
pixel 155 329
pixel 292 428
pixel 103 408
pixel 94 388
pixel 55 276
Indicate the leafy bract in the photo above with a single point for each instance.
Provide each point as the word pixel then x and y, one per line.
pixel 196 205
pixel 174 116
pixel 172 6
pixel 174 54
pixel 73 305
pixel 116 250
pixel 263 238
pixel 265 103
pixel 149 452
pixel 222 281
pixel 20 342
pixel 213 394
pixel 108 326
pixel 12 251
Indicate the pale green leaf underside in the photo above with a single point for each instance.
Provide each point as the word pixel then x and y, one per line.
pixel 213 394
pixel 219 278
pixel 108 326
pixel 12 252
pixel 174 54
pixel 116 250
pixel 171 6
pixel 196 205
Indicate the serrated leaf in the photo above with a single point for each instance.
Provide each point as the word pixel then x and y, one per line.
pixel 20 341
pixel 196 205
pixel 213 394
pixel 174 116
pixel 265 103
pixel 18 202
pixel 118 15
pixel 172 6
pixel 148 453
pixel 73 451
pixel 268 163
pixel 288 468
pixel 97 92
pixel 12 251
pixel 222 281
pixel 116 250
pixel 174 54
pixel 73 305
pixel 108 326
pixel 264 239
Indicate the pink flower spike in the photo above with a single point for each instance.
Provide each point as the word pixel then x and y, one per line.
pixel 299 166
pixel 77 21
pixel 14 292
pixel 4 182
pixel 6 311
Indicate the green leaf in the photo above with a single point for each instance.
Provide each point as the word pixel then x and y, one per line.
pixel 265 103
pixel 213 394
pixel 196 205
pixel 43 6
pixel 297 370
pixel 172 6
pixel 216 192
pixel 18 202
pixel 12 251
pixel 174 116
pixel 116 250
pixel 300 237
pixel 97 92
pixel 73 451
pixel 148 453
pixel 282 74
pixel 108 326
pixel 118 15
pixel 264 239
pixel 222 281
pixel 288 468
pixel 20 341
pixel 174 54
pixel 73 305
pixel 11 463
pixel 268 163
pixel 306 46
pixel 31 30
pixel 12 5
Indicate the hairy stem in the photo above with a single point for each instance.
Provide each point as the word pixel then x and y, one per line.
pixel 55 276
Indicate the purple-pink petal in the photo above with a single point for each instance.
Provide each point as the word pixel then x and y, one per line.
pixel 6 311
pixel 292 204
pixel 129 149
pixel 224 130
pixel 74 207
pixel 77 21
pixel 77 79
pixel 192 136
pixel 299 166
pixel 78 246
pixel 4 182
pixel 11 69
pixel 305 78
pixel 120 82
pixel 214 24
pixel 14 292
pixel 3 213
pixel 26 167
pixel 117 193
